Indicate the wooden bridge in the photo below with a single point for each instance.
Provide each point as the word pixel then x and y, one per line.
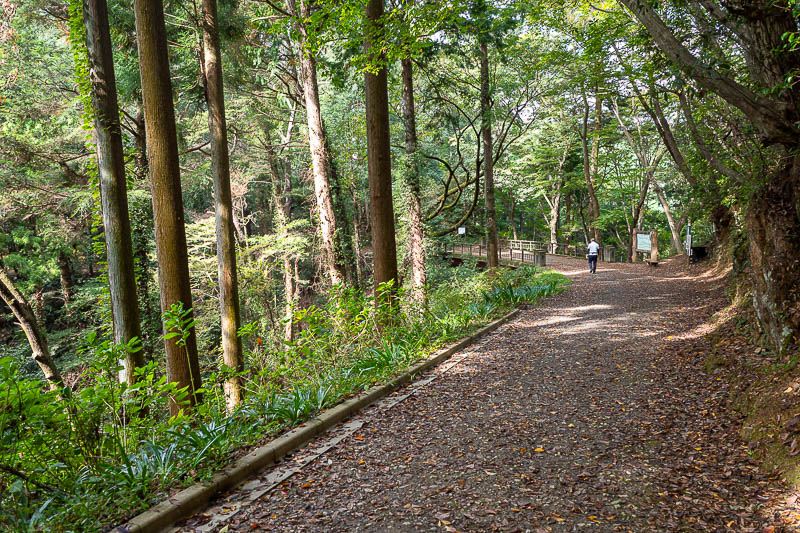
pixel 530 252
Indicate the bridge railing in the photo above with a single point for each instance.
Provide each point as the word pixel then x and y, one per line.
pixel 525 251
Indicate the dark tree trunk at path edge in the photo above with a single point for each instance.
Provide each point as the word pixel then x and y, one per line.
pixel 379 161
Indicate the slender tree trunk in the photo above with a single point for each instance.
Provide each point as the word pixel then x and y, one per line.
pixel 281 199
pixel 511 219
pixel 379 165
pixel 40 352
pixel 140 159
pixel 357 240
pixel 418 274
pixel 591 159
pixel 488 161
pixel 65 276
pixel 320 157
pixel 675 231
pixel 555 211
pixel 113 187
pixel 721 214
pixel 223 207
pixel 183 366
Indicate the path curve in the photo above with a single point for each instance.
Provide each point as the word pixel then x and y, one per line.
pixel 590 411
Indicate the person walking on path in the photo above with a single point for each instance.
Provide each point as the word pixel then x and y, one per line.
pixel 594 252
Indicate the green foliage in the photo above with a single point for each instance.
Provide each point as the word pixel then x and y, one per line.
pixel 106 449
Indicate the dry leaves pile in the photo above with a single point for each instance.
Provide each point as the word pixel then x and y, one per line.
pixel 592 411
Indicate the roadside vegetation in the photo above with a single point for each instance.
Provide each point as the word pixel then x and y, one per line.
pixel 85 460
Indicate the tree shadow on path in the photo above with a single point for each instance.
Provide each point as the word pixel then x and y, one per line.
pixel 592 411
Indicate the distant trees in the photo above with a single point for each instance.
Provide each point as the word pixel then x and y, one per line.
pixel 553 128
pixel 755 30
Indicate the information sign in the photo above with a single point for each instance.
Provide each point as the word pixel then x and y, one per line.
pixel 462 230
pixel 689 240
pixel 642 242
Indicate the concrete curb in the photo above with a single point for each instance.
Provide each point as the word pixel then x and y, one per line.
pixel 195 497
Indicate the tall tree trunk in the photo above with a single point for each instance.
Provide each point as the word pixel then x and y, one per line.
pixel 317 142
pixel 223 207
pixel 555 212
pixel 591 159
pixel 113 187
pixel 661 123
pixel 183 366
pixel 140 159
pixel 493 259
pixel 384 248
pixel 40 352
pixel 675 231
pixel 773 228
pixel 416 245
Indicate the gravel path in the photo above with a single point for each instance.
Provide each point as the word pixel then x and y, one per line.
pixel 590 411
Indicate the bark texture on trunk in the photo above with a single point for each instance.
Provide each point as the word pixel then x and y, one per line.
pixel 183 367
pixel 512 221
pixel 416 244
pixel 555 214
pixel 320 157
pixel 773 228
pixel 40 352
pixel 493 259
pixel 591 159
pixel 379 163
pixel 113 186
pixel 223 207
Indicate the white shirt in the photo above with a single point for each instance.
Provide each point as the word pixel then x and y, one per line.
pixel 594 248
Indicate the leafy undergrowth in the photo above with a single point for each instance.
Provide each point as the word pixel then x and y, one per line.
pixel 765 388
pixel 88 459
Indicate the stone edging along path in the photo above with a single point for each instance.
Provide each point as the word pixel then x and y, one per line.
pixel 195 497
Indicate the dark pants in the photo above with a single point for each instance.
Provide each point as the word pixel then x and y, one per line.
pixel 592 263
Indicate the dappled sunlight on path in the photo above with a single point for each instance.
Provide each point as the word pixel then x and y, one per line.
pixel 583 413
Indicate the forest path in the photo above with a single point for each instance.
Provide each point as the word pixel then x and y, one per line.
pixel 590 411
